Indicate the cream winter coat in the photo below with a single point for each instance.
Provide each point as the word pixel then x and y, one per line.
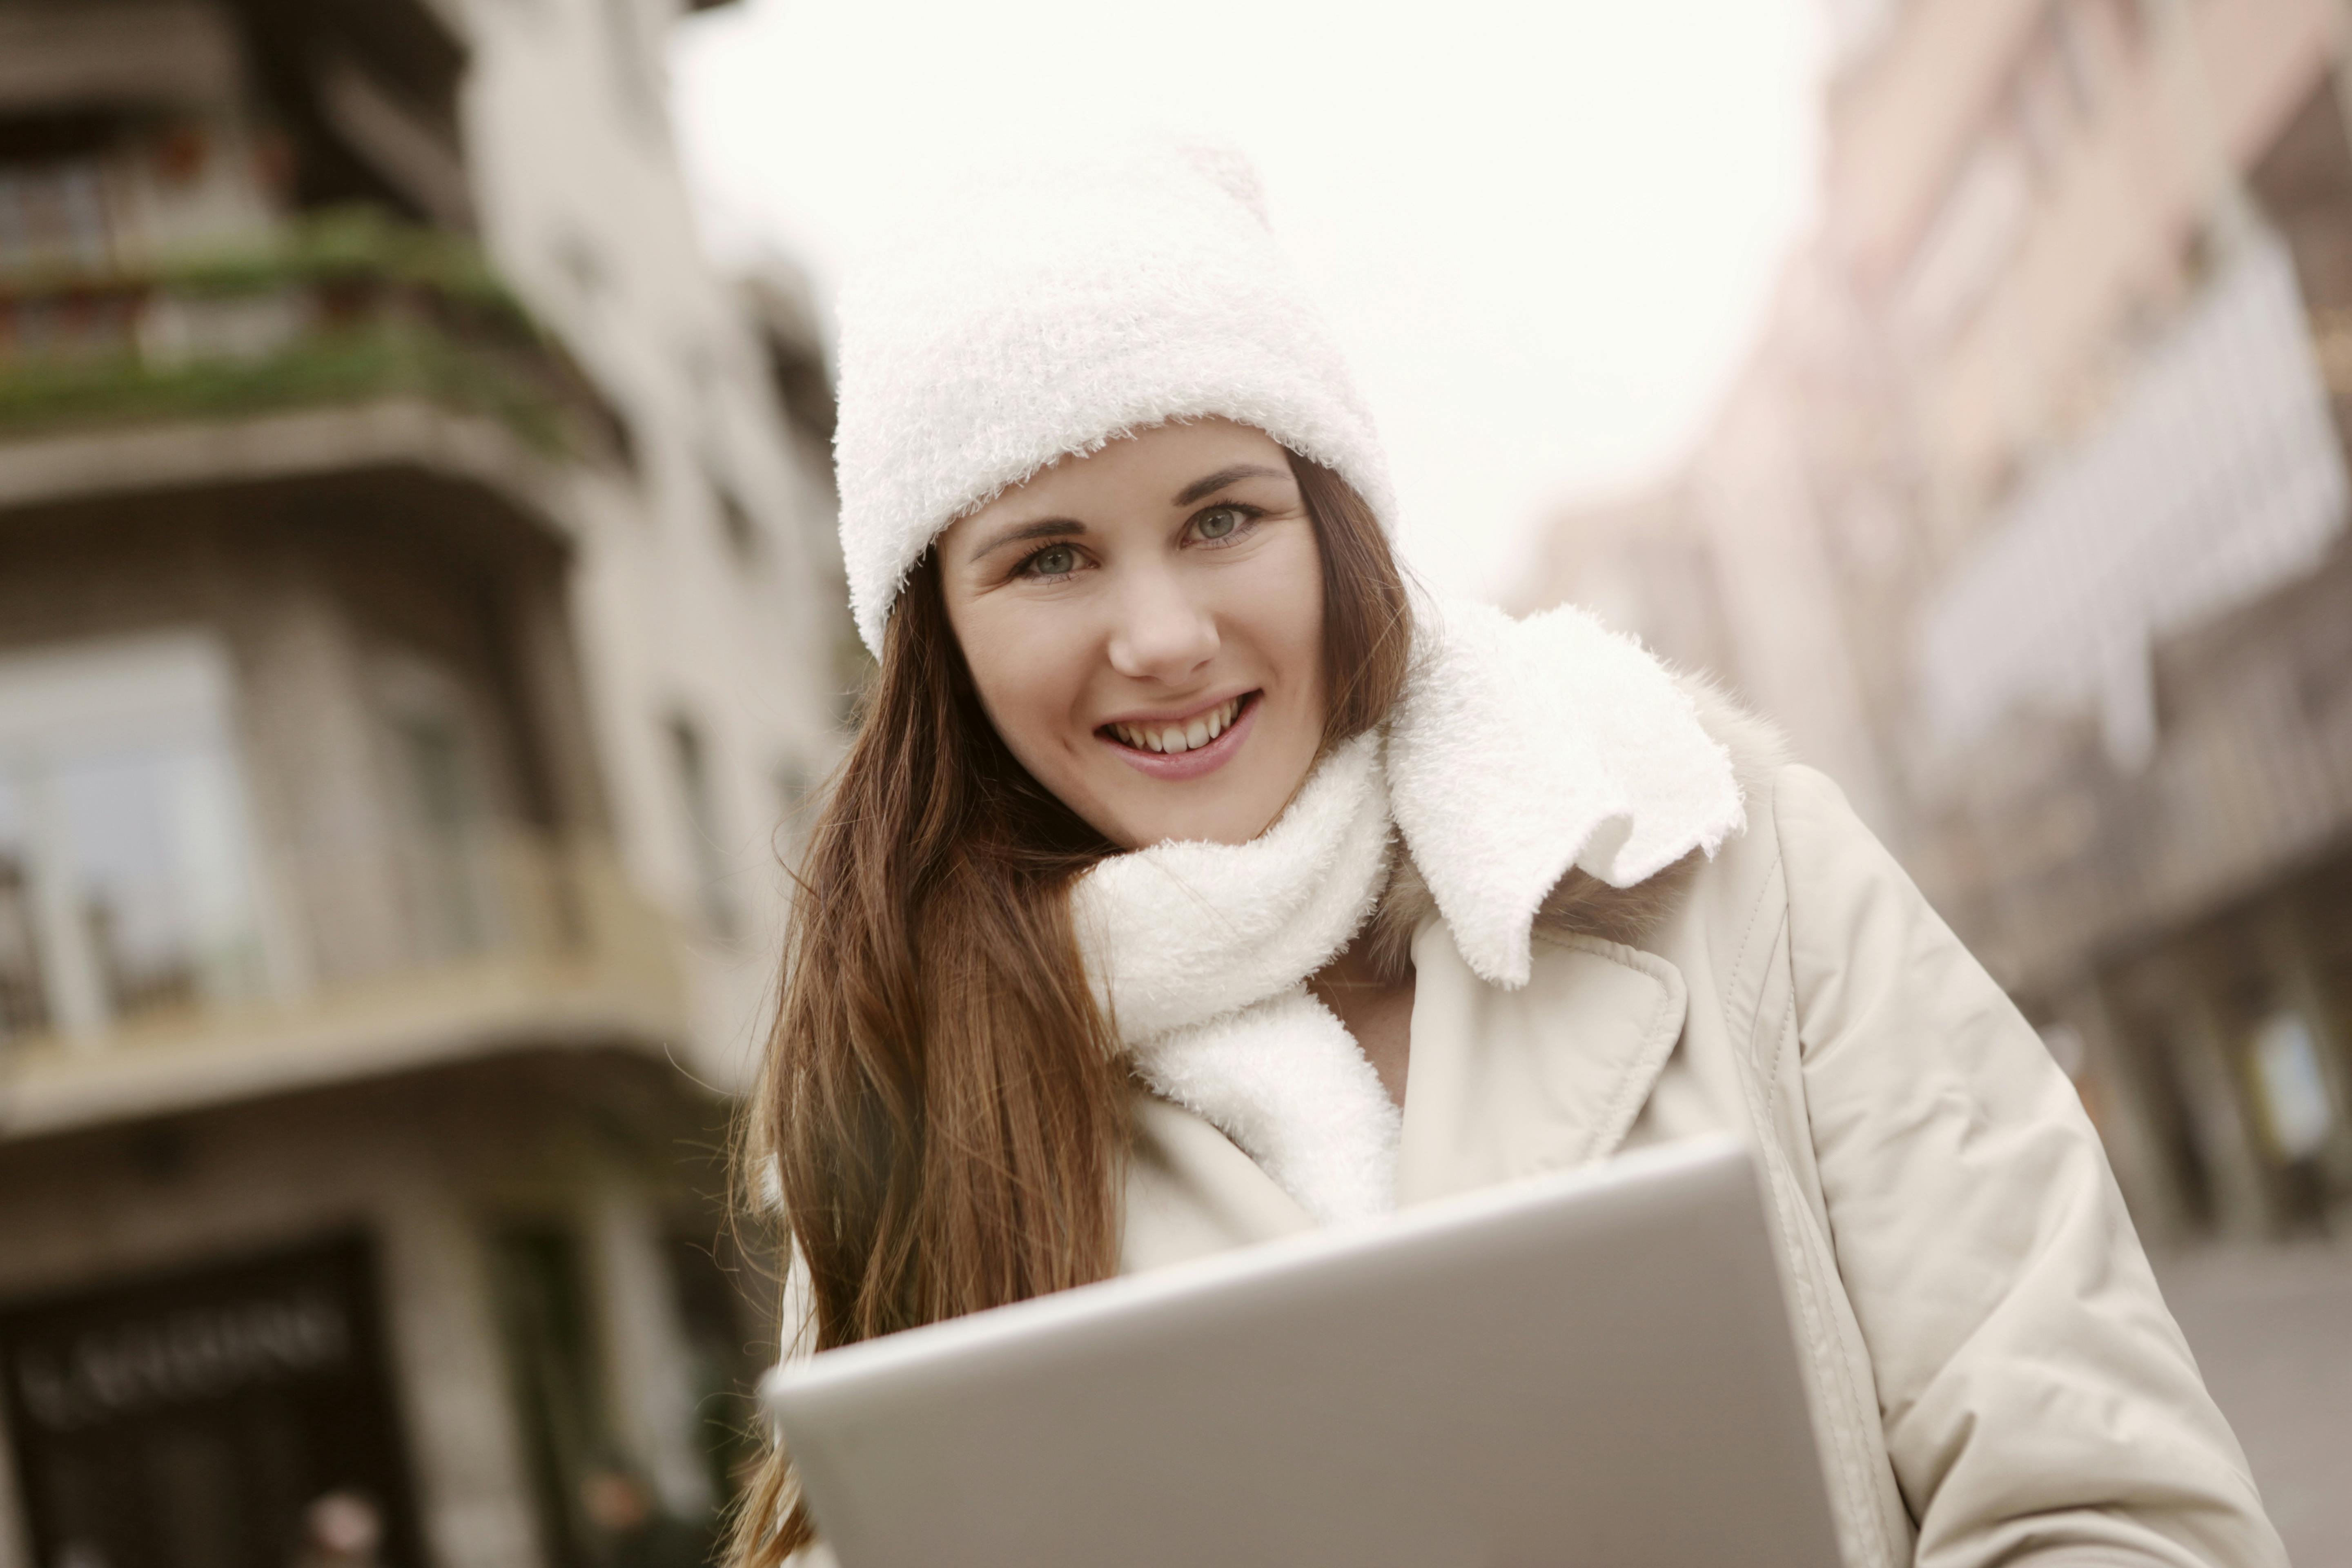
pixel 1994 1376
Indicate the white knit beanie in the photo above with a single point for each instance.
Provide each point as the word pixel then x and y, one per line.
pixel 1054 308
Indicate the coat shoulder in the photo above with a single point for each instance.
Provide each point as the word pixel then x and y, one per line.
pixel 1758 748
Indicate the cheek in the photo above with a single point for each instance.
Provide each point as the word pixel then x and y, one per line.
pixel 1285 610
pixel 1027 668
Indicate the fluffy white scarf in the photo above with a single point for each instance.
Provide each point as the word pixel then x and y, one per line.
pixel 1521 749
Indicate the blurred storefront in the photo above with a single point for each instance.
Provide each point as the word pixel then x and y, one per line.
pixel 2027 517
pixel 415 618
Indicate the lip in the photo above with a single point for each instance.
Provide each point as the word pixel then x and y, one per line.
pixel 1167 716
pixel 1199 760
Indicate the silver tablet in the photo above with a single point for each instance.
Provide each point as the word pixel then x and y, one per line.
pixel 1594 1368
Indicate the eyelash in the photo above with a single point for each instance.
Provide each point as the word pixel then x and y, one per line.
pixel 1025 566
pixel 1248 515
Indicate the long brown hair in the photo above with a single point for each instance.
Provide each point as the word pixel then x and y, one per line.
pixel 945 1110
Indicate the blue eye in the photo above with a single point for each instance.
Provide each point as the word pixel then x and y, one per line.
pixel 1220 523
pixel 1054 561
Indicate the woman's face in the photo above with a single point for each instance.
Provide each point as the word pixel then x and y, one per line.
pixel 1145 628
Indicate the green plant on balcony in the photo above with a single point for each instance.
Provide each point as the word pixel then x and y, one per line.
pixel 355 306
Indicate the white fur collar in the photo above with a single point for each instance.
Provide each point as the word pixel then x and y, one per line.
pixel 1521 749
pixel 1183 932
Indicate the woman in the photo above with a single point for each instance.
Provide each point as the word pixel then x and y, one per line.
pixel 1187 885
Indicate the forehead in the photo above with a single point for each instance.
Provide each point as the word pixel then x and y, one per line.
pixel 1147 469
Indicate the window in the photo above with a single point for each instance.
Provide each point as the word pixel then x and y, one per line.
pixel 691 760
pixel 540 1282
pixel 126 878
pixel 22 1008
pixel 794 784
pixel 710 1311
pixel 736 525
pixel 800 801
pixel 448 850
pixel 54 216
pixel 2298 1113
pixel 450 874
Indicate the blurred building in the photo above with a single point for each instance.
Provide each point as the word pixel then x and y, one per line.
pixel 2027 517
pixel 416 618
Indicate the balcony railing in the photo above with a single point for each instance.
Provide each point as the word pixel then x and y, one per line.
pixel 2217 478
pixel 338 966
pixel 344 308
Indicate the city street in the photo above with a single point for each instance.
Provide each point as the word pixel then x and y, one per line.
pixel 2272 1328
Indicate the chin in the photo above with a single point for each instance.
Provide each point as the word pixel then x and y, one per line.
pixel 1196 832
pixel 1225 822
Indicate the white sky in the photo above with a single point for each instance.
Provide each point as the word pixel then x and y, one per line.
pixel 1545 231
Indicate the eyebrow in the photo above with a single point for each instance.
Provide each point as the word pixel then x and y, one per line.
pixel 1220 478
pixel 1064 527
pixel 1050 528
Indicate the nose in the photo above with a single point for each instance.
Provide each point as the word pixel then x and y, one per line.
pixel 1161 633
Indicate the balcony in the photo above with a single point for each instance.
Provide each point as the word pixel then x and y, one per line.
pixel 2216 480
pixel 2134 683
pixel 123 998
pixel 348 342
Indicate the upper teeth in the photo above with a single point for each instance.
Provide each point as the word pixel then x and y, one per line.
pixel 1195 731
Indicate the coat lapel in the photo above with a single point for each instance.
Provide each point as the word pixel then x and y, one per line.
pixel 1192 1192
pixel 1506 1084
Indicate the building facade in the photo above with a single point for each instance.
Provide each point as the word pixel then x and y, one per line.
pixel 416 619
pixel 2028 517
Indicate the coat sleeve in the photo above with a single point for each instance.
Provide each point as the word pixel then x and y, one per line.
pixel 2040 1405
pixel 798 1335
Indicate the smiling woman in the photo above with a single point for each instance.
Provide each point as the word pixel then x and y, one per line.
pixel 1187 887
pixel 1144 629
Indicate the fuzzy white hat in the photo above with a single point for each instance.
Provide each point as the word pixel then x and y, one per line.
pixel 1055 308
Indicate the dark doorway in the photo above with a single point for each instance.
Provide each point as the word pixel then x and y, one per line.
pixel 188 1420
pixel 542 1296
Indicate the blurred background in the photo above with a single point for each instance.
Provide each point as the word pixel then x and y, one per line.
pixel 420 627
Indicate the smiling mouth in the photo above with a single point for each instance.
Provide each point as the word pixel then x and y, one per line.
pixel 1171 740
